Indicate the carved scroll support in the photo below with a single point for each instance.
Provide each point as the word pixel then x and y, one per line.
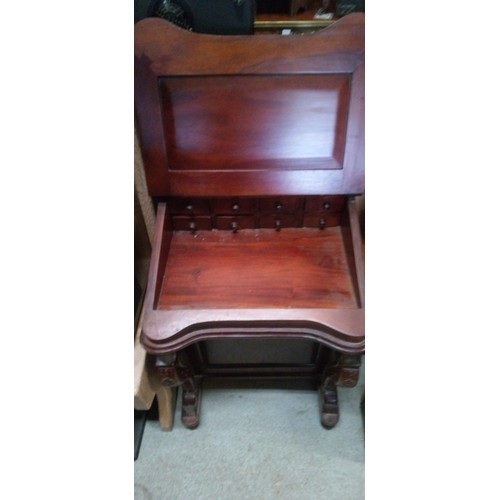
pixel 344 373
pixel 329 407
pixel 348 370
pixel 174 370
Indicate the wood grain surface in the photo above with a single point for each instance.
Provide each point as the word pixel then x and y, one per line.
pixel 251 115
pixel 293 268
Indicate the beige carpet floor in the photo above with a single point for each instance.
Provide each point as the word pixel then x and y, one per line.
pixel 256 444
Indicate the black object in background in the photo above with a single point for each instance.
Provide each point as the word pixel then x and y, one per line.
pixel 273 6
pixel 217 17
pixel 141 9
pixel 177 12
pixel 344 7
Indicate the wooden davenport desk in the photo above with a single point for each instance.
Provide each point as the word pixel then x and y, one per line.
pixel 254 152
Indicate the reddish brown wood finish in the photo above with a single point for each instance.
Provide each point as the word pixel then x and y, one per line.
pixel 267 79
pixel 237 122
pixel 170 328
pixel 295 268
pixel 253 147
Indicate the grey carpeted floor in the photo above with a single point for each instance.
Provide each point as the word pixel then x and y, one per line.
pixel 256 444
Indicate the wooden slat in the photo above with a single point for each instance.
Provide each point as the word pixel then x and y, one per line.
pixel 357 249
pixel 165 398
pixel 147 386
pixel 144 392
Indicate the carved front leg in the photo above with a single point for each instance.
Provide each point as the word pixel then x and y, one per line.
pixel 329 407
pixel 174 370
pixel 348 374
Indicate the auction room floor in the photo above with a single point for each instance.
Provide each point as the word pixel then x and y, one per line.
pixel 256 444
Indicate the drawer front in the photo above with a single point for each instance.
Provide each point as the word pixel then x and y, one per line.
pixel 234 205
pixel 322 221
pixel 276 221
pixel 274 212
pixel 286 204
pixel 324 204
pixel 188 206
pixel 235 223
pixel 184 223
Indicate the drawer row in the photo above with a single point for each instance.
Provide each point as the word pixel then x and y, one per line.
pixel 251 206
pixel 236 222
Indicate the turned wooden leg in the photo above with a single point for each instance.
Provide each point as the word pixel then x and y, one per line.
pixel 329 407
pixel 174 370
pixel 348 373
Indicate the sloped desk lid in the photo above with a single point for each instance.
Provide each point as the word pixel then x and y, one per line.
pixel 251 115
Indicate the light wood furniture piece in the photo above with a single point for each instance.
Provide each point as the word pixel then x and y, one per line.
pixel 254 153
pixel 147 385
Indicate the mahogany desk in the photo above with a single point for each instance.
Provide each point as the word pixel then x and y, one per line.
pixel 254 152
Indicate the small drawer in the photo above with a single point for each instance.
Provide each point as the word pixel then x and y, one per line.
pixel 277 221
pixel 322 221
pixel 234 205
pixel 324 204
pixel 235 223
pixel 183 223
pixel 285 204
pixel 188 206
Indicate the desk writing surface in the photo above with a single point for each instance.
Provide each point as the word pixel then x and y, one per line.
pixel 292 268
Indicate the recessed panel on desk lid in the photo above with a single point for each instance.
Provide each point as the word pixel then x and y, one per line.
pixel 263 122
